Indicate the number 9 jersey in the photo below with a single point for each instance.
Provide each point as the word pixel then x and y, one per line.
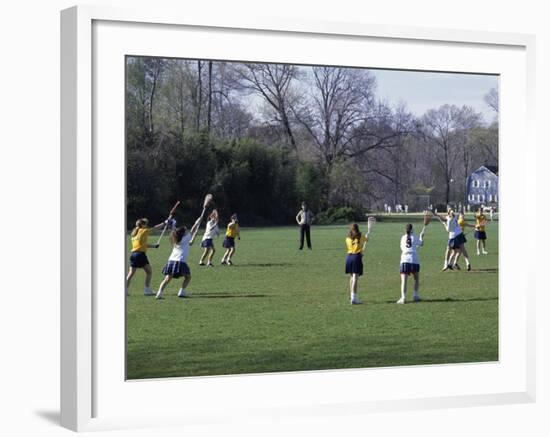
pixel 409 245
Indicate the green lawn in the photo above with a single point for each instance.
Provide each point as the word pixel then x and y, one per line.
pixel 281 309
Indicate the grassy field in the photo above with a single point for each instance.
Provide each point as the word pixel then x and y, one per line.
pixel 281 309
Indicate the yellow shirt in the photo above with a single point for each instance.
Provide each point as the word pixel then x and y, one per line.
pixel 139 240
pixel 480 222
pixel 355 245
pixel 232 230
pixel 462 223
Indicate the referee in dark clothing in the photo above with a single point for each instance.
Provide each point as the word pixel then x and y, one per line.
pixel 304 218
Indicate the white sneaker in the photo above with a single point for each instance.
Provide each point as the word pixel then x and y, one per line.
pixel 182 293
pixel 401 301
pixel 148 292
pixel 485 252
pixel 356 301
pixel 417 298
pixel 478 253
pixel 229 262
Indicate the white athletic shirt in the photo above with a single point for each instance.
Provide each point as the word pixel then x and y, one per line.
pixel 409 245
pixel 453 227
pixel 304 217
pixel 211 231
pixel 181 249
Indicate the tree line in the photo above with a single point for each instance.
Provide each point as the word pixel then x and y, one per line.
pixel 263 137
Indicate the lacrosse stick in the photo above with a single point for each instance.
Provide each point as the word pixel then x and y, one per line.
pixel 371 221
pixel 427 218
pixel 207 200
pixel 172 211
pixel 370 224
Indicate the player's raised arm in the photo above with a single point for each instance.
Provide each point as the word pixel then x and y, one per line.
pixel 365 240
pixel 196 225
pixel 443 221
pixel 163 224
pixel 421 236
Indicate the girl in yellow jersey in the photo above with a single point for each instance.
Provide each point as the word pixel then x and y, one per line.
pixel 355 243
pixel 233 231
pixel 138 257
pixel 480 235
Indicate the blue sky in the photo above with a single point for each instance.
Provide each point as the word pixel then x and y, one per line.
pixel 421 91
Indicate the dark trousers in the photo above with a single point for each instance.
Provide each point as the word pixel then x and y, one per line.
pixel 304 230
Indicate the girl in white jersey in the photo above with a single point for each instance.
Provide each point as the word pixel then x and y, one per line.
pixel 177 262
pixel 207 242
pixel 456 240
pixel 410 264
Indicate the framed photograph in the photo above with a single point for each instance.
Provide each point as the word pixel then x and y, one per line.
pixel 276 219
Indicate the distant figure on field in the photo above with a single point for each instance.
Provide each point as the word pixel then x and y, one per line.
pixel 233 231
pixel 305 218
pixel 480 235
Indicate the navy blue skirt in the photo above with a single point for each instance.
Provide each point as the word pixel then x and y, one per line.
pixel 354 263
pixel 408 268
pixel 228 242
pixel 456 242
pixel 138 260
pixel 176 269
pixel 480 235
pixel 207 243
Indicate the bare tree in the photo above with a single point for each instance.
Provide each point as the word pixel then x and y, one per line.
pixel 446 130
pixel 491 99
pixel 344 120
pixel 199 95
pixel 273 82
pixel 338 103
pixel 209 118
pixel 153 69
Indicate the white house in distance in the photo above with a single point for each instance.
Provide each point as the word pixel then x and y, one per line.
pixel 482 186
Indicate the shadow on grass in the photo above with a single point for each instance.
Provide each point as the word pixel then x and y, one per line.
pixel 265 265
pixel 450 299
pixel 490 270
pixel 225 295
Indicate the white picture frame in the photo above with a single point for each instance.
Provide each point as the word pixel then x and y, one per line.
pixel 87 402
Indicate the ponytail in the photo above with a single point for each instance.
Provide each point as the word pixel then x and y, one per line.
pixel 177 234
pixel 354 232
pixel 140 223
pixel 408 230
